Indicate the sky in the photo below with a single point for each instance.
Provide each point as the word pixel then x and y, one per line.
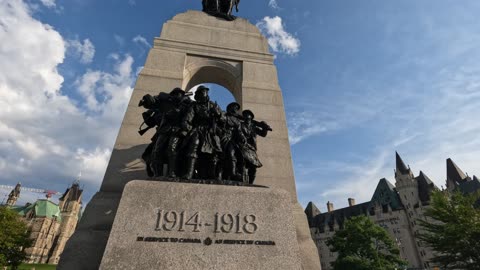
pixel 360 79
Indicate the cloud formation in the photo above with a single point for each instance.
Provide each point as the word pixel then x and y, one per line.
pixel 423 103
pixel 141 40
pixel 49 3
pixel 273 4
pixel 278 38
pixel 84 51
pixel 47 137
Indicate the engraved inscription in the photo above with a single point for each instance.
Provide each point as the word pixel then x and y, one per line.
pixel 194 222
pixel 207 242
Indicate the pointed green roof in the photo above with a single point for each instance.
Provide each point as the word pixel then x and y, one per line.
pixel 425 187
pixel 454 173
pixel 312 210
pixel 401 167
pixel 386 194
pixel 41 208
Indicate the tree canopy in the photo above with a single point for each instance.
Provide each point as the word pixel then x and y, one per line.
pixel 14 238
pixel 363 245
pixel 452 230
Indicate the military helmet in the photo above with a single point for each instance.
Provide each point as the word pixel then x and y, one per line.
pixel 248 112
pixel 231 105
pixel 177 91
pixel 202 88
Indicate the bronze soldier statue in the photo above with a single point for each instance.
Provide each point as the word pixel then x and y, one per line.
pixel 168 140
pixel 199 126
pixel 151 118
pixel 230 142
pixel 165 112
pixel 249 131
pixel 212 144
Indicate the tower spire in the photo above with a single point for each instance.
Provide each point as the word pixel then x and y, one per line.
pixel 401 167
pixel 14 195
pixel 454 173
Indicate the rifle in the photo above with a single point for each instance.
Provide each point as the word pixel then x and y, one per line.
pixel 143 131
pixel 262 124
pixel 149 120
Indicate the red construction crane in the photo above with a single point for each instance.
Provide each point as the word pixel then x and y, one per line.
pixel 49 193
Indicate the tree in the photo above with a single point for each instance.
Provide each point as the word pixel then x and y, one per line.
pixel 14 238
pixel 452 230
pixel 363 245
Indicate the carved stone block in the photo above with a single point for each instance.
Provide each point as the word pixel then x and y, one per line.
pixel 161 225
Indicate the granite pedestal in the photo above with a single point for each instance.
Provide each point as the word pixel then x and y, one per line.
pixel 161 225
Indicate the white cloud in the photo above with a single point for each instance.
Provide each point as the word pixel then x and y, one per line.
pixel 47 137
pixel 49 3
pixel 279 40
pixel 108 92
pixel 327 115
pixel 119 39
pixel 84 51
pixel 93 163
pixel 273 4
pixel 362 180
pixel 306 124
pixel 141 40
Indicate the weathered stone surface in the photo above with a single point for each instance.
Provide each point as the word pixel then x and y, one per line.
pixel 260 215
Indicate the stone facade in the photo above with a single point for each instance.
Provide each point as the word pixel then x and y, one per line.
pixel 51 225
pixel 70 205
pixel 44 229
pixel 395 208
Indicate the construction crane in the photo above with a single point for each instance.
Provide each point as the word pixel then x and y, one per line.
pixel 48 193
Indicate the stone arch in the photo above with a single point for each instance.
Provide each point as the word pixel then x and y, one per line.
pixel 202 70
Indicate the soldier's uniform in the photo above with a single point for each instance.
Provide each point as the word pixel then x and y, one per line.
pixel 200 127
pixel 169 138
pixel 230 142
pixel 249 131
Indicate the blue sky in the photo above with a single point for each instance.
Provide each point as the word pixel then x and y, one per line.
pixel 361 79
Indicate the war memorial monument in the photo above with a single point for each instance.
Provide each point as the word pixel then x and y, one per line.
pixel 199 187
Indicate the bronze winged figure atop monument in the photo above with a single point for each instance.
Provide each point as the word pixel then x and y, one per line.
pixel 221 8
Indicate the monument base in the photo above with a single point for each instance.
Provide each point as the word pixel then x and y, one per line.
pixel 161 225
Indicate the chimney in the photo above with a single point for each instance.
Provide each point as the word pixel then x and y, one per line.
pixel 330 207
pixel 351 202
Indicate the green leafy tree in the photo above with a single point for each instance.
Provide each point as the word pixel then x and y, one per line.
pixel 14 238
pixel 452 230
pixel 363 245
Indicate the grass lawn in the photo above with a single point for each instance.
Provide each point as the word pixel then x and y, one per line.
pixel 36 266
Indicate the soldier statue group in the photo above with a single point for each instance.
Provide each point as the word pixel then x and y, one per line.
pixel 196 139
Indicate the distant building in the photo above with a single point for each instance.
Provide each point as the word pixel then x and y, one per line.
pixel 14 195
pixel 51 225
pixel 395 208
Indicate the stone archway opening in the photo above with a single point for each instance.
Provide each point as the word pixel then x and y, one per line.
pixel 217 93
pixel 225 74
